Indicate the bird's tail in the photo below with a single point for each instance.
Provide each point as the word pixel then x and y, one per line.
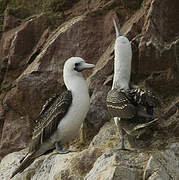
pixel 148 124
pixel 116 29
pixel 28 160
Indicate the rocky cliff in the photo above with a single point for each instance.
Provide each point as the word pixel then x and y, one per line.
pixel 37 38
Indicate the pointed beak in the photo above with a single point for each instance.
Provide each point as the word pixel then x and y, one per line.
pixel 88 66
pixel 116 29
pixel 84 66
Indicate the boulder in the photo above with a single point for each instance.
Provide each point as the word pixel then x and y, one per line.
pixel 51 166
pixel 120 165
pixel 163 165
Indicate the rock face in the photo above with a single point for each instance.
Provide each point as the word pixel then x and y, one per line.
pixel 95 164
pixel 118 166
pixel 51 166
pixel 32 55
pixel 163 165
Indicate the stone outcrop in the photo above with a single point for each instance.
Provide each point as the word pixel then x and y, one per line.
pixel 96 163
pixel 52 166
pixel 32 55
pixel 163 165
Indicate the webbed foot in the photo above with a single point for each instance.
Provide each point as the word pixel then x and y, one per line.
pixel 60 150
pixel 120 149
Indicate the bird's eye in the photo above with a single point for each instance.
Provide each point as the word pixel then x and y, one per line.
pixel 77 64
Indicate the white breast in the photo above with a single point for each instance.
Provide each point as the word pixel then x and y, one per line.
pixel 69 126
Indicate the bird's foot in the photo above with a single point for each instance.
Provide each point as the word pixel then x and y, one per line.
pixel 120 149
pixel 60 150
pixel 63 151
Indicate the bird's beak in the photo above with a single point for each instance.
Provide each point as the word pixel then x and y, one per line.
pixel 87 66
pixel 83 66
pixel 116 29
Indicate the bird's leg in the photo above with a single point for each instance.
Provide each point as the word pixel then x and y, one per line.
pixel 60 150
pixel 122 147
pixel 122 133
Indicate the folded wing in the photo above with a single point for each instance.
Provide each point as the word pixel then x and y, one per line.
pixel 50 116
pixel 119 105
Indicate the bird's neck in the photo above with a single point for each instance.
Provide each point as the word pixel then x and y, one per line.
pixel 122 66
pixel 77 85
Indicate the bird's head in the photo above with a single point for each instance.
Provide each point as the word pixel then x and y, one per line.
pixel 73 68
pixel 120 39
pixel 76 65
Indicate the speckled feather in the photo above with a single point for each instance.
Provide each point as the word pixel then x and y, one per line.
pixel 124 103
pixel 53 111
pixel 119 105
pixel 143 97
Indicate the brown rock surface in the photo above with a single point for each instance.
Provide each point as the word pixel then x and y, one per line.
pixel 98 114
pixel 17 45
pixel 157 47
pixel 9 21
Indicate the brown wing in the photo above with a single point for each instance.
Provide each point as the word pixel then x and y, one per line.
pixel 49 118
pixel 119 105
pixel 46 106
pixel 143 97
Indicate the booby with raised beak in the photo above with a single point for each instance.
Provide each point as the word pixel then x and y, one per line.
pixel 62 115
pixel 128 105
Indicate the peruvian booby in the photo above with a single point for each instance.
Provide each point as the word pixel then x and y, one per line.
pixel 62 115
pixel 128 105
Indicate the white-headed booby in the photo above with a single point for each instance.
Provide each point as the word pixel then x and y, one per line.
pixel 132 105
pixel 62 115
